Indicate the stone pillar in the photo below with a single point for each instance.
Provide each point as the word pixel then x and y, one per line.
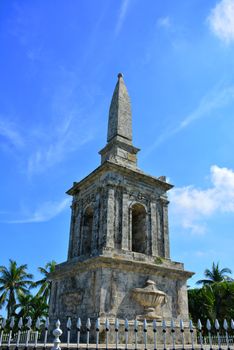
pixel 129 241
pixel 160 239
pixel 125 222
pixel 76 242
pixel 80 244
pixel 165 227
pixel 154 228
pixel 148 232
pixel 182 299
pixel 110 217
pixel 53 308
pixel 118 217
pixel 96 224
pixel 72 228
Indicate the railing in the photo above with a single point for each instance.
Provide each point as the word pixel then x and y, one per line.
pixel 117 334
pixel 22 337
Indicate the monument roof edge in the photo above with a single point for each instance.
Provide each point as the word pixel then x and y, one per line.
pixel 107 262
pixel 127 170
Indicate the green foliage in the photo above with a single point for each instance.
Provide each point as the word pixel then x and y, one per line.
pixel 45 282
pixel 32 306
pixel 215 299
pixel 215 275
pixel 201 302
pixel 14 281
pixel 158 260
pixel 212 301
pixel 15 291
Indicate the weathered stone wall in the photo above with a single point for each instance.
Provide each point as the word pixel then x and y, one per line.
pixel 111 197
pixel 103 287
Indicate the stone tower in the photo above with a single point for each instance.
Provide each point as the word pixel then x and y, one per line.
pixel 119 244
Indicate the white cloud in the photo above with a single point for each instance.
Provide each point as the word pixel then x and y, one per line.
pixel 215 99
pixel 67 129
pixel 45 212
pixel 11 133
pixel 221 20
pixel 68 136
pixel 121 16
pixel 41 147
pixel 164 22
pixel 192 206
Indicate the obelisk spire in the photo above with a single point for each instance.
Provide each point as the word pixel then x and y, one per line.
pixel 120 115
pixel 119 148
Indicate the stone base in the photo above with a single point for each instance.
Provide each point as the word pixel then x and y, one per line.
pixel 102 287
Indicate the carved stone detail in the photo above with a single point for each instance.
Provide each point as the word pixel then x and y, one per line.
pixel 71 300
pixel 151 298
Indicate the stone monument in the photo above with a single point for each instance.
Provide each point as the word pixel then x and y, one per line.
pixel 118 261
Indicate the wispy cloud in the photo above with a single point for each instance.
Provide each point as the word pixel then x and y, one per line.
pixel 24 24
pixel 191 206
pixel 221 20
pixel 66 137
pixel 164 22
pixel 121 16
pixel 10 132
pixel 215 99
pixel 45 212
pixel 43 146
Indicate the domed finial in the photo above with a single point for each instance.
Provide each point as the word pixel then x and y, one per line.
pixel 120 75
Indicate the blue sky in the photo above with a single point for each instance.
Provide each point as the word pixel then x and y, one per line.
pixel 58 66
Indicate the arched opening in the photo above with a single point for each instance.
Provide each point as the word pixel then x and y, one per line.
pixel 139 237
pixel 87 231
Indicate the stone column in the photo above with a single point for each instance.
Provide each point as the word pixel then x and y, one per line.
pixel 110 217
pixel 72 227
pixel 154 242
pixel 76 243
pixel 160 240
pixel 80 231
pixel 118 217
pixel 53 298
pixel 182 299
pixel 101 217
pixel 96 218
pixel 125 222
pixel 148 232
pixel 129 241
pixel 165 203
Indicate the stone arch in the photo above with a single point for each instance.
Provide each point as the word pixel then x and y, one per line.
pixel 139 232
pixel 87 231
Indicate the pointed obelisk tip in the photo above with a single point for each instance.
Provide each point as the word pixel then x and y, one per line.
pixel 120 75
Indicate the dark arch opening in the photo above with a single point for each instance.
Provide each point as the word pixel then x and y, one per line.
pixel 139 237
pixel 87 231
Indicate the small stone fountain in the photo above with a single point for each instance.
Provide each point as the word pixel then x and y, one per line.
pixel 151 298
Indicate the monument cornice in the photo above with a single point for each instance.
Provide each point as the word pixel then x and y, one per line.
pixel 134 173
pixel 118 263
pixel 128 147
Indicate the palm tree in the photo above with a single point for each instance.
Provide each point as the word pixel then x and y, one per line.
pixel 39 308
pixel 45 283
pixel 215 301
pixel 33 306
pixel 14 281
pixel 24 305
pixel 215 275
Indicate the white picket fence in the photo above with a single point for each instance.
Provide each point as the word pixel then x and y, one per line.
pixel 117 334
